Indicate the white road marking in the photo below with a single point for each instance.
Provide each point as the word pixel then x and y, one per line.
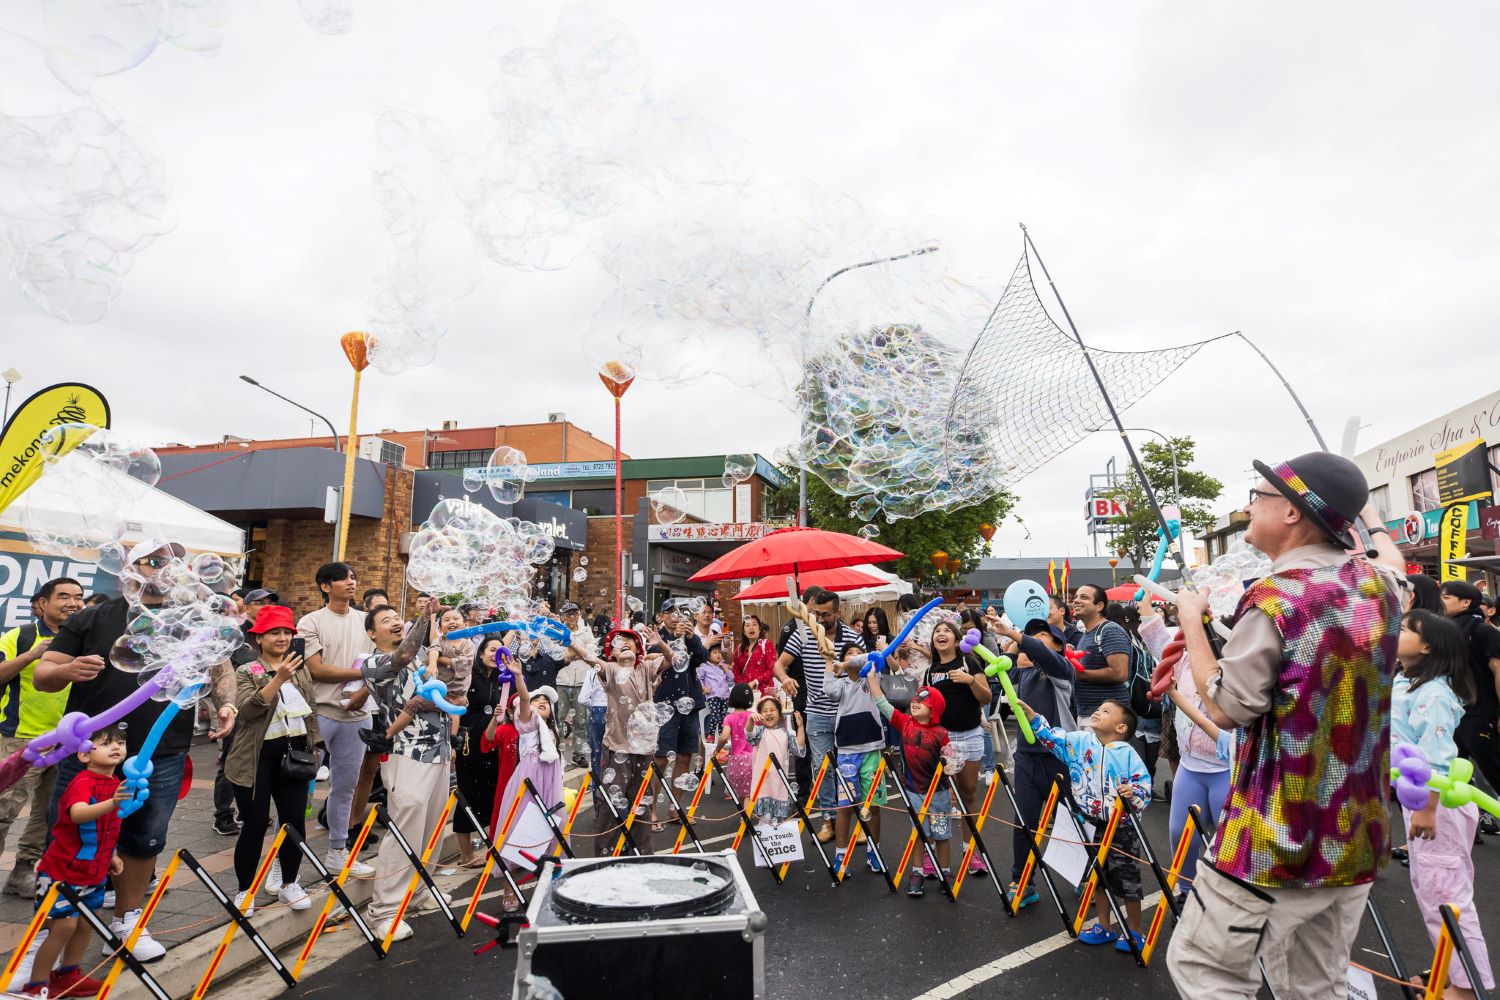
pixel 968 980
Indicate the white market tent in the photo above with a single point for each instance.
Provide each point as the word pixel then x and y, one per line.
pixel 153 512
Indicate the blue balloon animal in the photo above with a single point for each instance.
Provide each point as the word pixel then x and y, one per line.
pixel 537 625
pixel 1163 543
pixel 876 660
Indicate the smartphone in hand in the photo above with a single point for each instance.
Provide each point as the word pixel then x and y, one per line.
pixel 299 646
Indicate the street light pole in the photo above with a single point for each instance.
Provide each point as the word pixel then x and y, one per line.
pixel 331 431
pixel 11 377
pixel 802 469
pixel 1171 452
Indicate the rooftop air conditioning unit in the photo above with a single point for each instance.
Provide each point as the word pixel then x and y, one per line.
pixel 557 418
pixel 385 452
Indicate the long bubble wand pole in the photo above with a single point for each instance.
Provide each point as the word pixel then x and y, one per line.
pixel 1135 461
pixel 617 378
pixel 356 348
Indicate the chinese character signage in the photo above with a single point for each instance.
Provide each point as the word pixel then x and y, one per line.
pixel 685 532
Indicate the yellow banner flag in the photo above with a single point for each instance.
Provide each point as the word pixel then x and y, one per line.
pixel 1452 542
pixel 21 443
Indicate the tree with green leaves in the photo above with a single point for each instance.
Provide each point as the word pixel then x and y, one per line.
pixel 1182 487
pixel 955 531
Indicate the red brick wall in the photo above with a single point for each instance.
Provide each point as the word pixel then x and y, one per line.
pixel 296 548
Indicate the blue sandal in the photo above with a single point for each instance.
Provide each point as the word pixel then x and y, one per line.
pixel 1124 944
pixel 1096 934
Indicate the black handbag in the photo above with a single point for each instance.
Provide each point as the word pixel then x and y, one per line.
pixel 299 763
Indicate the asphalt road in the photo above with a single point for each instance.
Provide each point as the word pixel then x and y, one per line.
pixel 859 940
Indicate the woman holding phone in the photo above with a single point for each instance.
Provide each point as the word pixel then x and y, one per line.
pixel 271 760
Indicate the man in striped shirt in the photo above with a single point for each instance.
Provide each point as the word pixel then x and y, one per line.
pixel 803 672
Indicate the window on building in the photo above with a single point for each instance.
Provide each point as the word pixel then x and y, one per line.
pixel 471 458
pixel 708 499
pixel 1494 474
pixel 1380 496
pixel 1424 491
pixel 594 503
pixel 559 497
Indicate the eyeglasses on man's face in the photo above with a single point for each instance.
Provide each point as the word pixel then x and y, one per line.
pixel 1256 494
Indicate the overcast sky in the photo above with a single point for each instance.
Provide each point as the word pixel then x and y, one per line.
pixel 1320 176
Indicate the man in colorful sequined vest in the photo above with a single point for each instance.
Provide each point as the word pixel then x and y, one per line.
pixel 1306 677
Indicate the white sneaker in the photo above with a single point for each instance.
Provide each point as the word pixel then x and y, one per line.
pixel 239 901
pixel 427 902
pixel 147 948
pixel 294 896
pixel 23 971
pixel 322 773
pixel 334 862
pixel 403 931
pixel 272 885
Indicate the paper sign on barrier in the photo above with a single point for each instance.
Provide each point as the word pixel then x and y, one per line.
pixel 1361 985
pixel 783 842
pixel 1065 853
pixel 530 834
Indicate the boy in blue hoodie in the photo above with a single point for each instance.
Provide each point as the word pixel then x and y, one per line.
pixel 858 739
pixel 1102 765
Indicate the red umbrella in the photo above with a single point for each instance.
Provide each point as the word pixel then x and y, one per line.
pixel 793 551
pixel 1124 592
pixel 773 587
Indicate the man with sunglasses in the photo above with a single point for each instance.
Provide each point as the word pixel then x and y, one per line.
pixel 1306 677
pixel 79 656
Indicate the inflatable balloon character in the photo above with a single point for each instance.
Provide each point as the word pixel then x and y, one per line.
pixel 1025 601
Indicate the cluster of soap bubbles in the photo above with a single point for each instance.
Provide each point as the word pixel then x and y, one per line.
pixel 505 476
pixel 1223 581
pixel 87 39
pixel 875 417
pixel 465 548
pixel 82 193
pixel 579 136
pixel 412 299
pixel 180 623
pixel 83 503
pixel 328 17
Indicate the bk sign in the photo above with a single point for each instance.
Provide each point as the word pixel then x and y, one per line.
pixel 1104 508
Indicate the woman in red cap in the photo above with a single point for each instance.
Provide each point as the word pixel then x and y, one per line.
pixel 275 699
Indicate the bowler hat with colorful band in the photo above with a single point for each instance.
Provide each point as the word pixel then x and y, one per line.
pixel 1328 489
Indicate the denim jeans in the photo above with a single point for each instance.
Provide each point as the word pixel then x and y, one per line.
pixel 819 745
pixel 596 740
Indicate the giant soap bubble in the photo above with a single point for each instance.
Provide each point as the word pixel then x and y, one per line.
pixel 91 484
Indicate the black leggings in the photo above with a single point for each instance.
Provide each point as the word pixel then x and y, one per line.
pixel 255 813
pixel 1034 774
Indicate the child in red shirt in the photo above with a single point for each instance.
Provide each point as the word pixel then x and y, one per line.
pixel 923 743
pixel 81 855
